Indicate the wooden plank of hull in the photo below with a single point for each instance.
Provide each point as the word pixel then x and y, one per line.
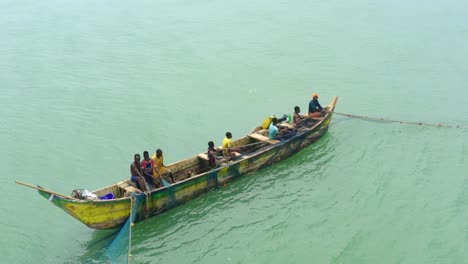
pixel 107 214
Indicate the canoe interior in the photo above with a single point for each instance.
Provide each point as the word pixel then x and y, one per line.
pixel 196 165
pixel 199 164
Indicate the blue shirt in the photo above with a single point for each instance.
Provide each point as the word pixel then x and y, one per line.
pixel 314 106
pixel 272 131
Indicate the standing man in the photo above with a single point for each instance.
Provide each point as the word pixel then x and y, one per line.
pixel 314 106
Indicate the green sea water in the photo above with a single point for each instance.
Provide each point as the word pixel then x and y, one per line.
pixel 84 85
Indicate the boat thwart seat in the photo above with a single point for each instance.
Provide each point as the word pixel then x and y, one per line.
pixel 203 156
pixel 127 187
pixel 236 154
pixel 262 138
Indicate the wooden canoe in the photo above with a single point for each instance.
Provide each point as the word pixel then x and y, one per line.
pixel 257 151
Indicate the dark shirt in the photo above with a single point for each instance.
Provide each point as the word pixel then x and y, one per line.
pixel 314 106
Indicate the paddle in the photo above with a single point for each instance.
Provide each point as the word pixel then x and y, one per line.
pixel 45 190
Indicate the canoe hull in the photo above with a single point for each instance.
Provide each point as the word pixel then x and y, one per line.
pixel 108 214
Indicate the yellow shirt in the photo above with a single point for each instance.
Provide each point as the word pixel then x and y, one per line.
pixel 159 164
pixel 227 143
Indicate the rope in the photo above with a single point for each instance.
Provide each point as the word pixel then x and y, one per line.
pixel 130 230
pixel 147 205
pixel 394 121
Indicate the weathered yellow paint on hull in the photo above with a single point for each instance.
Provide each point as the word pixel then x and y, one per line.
pixel 95 214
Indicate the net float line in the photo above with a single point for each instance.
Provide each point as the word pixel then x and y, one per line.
pixel 395 121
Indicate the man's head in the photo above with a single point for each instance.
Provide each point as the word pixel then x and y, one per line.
pixel 297 109
pixel 211 144
pixel 136 158
pixel 228 135
pixel 315 96
pixel 274 120
pixel 146 155
pixel 159 153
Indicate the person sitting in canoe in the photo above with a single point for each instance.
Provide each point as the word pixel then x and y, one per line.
pixel 267 121
pixel 315 108
pixel 160 170
pixel 213 159
pixel 147 166
pixel 275 132
pixel 227 147
pixel 137 174
pixel 297 117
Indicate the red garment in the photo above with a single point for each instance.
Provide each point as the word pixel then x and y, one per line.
pixel 148 166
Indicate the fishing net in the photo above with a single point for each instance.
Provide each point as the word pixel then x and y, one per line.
pixel 119 249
